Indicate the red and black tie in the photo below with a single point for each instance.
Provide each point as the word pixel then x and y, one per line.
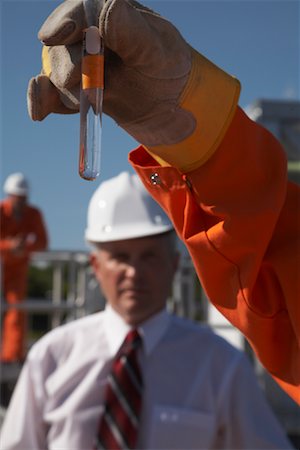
pixel 118 427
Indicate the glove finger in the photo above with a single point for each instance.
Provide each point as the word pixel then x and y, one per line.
pixel 62 64
pixel 144 40
pixel 43 98
pixel 64 25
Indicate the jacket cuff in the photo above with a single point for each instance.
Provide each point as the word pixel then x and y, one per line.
pixel 211 95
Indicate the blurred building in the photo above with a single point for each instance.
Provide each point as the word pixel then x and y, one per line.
pixel 282 118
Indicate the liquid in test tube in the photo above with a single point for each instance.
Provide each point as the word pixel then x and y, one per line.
pixel 91 99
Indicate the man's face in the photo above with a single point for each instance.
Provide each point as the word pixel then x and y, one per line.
pixel 136 275
pixel 18 201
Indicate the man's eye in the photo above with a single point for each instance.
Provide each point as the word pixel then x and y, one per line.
pixel 149 256
pixel 119 257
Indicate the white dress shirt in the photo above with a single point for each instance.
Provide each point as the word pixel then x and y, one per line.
pixel 200 393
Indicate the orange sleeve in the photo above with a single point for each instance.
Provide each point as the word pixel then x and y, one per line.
pixel 39 241
pixel 5 245
pixel 239 218
pixel 5 242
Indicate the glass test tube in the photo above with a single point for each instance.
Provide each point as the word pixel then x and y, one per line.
pixel 91 99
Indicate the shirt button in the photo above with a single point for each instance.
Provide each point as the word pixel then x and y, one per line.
pixel 155 179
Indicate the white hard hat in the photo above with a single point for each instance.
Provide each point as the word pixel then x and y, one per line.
pixel 16 184
pixel 121 208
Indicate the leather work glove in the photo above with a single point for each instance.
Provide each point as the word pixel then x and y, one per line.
pixel 157 87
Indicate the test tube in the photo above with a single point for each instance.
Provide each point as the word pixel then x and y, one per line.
pixel 91 99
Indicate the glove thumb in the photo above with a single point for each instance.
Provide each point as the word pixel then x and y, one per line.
pixel 44 98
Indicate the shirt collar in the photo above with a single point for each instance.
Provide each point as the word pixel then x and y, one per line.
pixel 151 330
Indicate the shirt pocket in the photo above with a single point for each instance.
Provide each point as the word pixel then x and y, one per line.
pixel 179 428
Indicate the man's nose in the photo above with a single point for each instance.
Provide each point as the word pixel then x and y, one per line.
pixel 132 269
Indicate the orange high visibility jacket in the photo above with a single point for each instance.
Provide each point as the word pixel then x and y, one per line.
pixel 31 226
pixel 240 218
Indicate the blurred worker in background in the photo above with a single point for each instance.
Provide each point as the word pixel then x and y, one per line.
pixel 185 388
pixel 221 178
pixel 23 231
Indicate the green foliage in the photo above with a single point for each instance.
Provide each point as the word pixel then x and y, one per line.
pixel 39 282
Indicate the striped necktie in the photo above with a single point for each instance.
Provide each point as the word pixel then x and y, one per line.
pixel 118 427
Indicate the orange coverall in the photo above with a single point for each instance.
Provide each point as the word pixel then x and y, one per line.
pixel 239 218
pixel 14 273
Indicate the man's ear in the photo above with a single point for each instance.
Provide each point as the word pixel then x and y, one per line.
pixel 96 265
pixel 94 262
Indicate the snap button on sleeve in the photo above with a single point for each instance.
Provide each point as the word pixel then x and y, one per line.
pixel 155 179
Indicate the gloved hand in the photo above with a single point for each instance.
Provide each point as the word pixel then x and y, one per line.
pixel 152 77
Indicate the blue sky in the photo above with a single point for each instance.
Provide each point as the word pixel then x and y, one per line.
pixel 257 41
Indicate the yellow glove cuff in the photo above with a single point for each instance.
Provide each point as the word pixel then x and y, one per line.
pixel 211 95
pixel 46 61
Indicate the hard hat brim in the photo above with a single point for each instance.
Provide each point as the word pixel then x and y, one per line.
pixel 125 233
